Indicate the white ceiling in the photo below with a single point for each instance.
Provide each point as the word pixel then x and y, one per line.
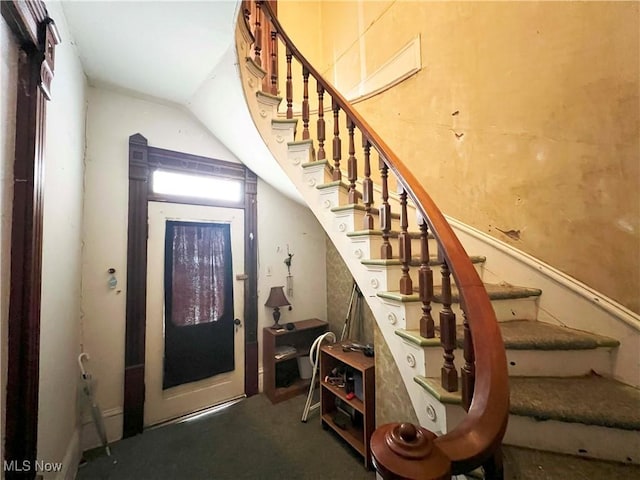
pixel 177 51
pixel 164 49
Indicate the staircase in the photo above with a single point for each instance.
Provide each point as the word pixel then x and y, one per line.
pixel 562 394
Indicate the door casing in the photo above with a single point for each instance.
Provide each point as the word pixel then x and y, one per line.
pixel 143 160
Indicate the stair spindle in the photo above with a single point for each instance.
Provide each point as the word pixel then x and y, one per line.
pixel 321 134
pixel 352 164
pixel 367 186
pixel 246 10
pixel 274 63
pixel 404 243
pixel 305 104
pixel 468 373
pixel 337 143
pixel 289 85
pixel 425 282
pixel 257 33
pixel 385 212
pixel 449 375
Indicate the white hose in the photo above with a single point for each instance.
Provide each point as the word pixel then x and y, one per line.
pixel 314 360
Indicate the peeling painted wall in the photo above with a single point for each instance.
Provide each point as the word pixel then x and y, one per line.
pixel 523 122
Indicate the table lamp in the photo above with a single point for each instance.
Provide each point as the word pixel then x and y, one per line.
pixel 276 300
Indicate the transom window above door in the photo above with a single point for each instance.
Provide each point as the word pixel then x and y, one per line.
pixel 196 186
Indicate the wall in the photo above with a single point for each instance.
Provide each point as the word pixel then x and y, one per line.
pixel 58 432
pixel 529 113
pixel 284 223
pixel 392 400
pixel 112 118
pixel 8 86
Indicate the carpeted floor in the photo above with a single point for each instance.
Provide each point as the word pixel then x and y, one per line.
pixel 249 440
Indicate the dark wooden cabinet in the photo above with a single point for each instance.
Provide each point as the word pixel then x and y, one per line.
pixel 336 404
pixel 281 379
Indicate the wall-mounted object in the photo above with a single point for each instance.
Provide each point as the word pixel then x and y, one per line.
pixel 113 281
pixel 287 262
pixel 276 300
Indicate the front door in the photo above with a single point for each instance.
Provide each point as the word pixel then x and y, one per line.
pixel 194 349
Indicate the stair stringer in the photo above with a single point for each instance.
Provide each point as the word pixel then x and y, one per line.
pixel 291 155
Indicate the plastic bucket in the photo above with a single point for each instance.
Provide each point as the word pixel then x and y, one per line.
pixel 304 367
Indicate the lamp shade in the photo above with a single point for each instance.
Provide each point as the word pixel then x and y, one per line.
pixel 276 298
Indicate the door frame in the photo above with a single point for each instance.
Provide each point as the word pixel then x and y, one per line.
pixel 37 36
pixel 143 160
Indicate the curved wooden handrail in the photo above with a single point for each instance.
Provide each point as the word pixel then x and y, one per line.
pixel 475 439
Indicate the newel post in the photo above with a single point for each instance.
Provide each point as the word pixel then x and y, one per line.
pixel 404 451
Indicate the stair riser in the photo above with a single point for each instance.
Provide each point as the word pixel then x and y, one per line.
pixel 536 363
pixel 402 315
pixel 315 175
pixel 574 439
pixel 386 279
pixel 588 441
pixel 369 247
pixel 508 309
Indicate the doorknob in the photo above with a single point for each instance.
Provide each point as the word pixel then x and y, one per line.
pixel 237 323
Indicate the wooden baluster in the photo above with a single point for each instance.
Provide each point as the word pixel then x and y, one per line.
pixel 257 34
pixel 289 86
pixel 246 10
pixel 321 153
pixel 425 282
pixel 404 242
pixel 385 212
pixel 449 375
pixel 305 104
pixel 367 186
pixel 337 143
pixel 468 373
pixel 274 62
pixel 352 164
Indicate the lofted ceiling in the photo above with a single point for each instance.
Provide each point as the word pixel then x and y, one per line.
pixel 176 51
pixel 162 49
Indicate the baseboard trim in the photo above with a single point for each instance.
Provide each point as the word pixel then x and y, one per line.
pixel 71 458
pixel 113 426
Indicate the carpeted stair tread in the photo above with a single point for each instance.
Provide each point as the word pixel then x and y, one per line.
pixel 528 464
pixel 496 291
pixel 378 233
pixel 524 335
pixel 534 335
pixel 415 261
pixel 592 400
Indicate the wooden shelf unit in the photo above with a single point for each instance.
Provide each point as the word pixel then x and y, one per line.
pixel 300 338
pixel 358 432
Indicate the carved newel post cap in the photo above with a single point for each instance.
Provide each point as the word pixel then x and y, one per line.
pixel 406 451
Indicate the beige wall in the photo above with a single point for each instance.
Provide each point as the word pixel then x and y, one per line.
pixel 58 416
pixel 545 139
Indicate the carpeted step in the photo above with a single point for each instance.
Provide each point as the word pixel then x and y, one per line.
pixel 496 291
pixel 415 261
pixel 528 464
pixel 526 335
pixel 533 349
pixel 591 416
pixel 533 335
pixel 592 400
